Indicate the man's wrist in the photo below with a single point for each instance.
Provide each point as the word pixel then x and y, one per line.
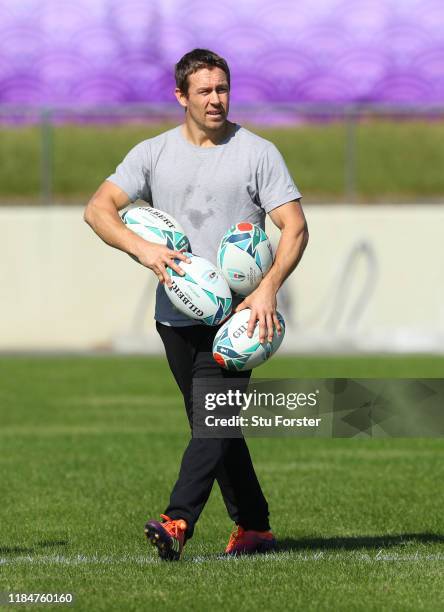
pixel 271 282
pixel 135 244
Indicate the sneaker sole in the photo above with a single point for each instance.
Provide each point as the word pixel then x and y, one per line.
pixel 158 537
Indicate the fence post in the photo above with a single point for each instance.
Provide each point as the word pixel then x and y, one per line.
pixel 350 182
pixel 46 135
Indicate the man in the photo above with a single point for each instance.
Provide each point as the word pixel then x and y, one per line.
pixel 208 173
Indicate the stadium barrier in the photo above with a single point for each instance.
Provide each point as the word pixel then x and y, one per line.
pixel 350 115
pixel 370 280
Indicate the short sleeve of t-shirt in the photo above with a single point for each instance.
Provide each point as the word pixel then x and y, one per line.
pixel 133 174
pixel 275 184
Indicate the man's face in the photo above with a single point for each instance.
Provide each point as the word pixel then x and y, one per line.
pixel 208 98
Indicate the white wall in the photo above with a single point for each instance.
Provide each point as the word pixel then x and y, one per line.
pixel 405 310
pixel 62 288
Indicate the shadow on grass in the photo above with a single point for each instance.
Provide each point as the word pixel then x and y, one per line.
pixel 357 542
pixel 13 550
pixel 336 544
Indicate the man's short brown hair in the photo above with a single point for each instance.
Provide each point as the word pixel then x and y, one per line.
pixel 196 60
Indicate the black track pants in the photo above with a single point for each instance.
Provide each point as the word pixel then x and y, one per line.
pixel 227 460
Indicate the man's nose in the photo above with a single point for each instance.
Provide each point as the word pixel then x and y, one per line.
pixel 214 98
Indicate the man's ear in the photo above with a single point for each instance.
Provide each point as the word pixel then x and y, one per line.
pixel 181 98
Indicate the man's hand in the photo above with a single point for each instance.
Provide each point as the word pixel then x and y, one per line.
pixel 263 309
pixel 157 258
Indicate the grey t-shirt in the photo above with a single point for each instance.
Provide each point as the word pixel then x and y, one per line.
pixel 207 189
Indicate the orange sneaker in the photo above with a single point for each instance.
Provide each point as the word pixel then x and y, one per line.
pixel 247 541
pixel 168 536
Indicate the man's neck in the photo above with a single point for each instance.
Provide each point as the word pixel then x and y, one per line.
pixel 210 138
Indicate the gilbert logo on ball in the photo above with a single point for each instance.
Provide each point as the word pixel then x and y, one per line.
pixel 202 293
pixel 244 256
pixel 156 226
pixel 234 350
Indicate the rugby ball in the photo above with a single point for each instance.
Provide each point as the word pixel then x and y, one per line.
pixel 156 226
pixel 244 257
pixel 202 293
pixel 234 350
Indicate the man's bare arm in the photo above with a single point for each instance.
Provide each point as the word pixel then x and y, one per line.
pixel 290 219
pixel 102 216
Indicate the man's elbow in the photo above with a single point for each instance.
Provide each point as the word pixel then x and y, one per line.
pixel 87 216
pixel 88 213
pixel 305 236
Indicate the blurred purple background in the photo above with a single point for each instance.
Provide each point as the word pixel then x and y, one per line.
pixel 114 51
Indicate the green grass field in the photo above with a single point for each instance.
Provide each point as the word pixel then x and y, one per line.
pixel 90 448
pixel 395 161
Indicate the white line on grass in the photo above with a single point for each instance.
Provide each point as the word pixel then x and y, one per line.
pixel 377 556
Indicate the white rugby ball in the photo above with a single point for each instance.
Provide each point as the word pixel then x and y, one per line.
pixel 203 293
pixel 234 350
pixel 156 226
pixel 244 256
